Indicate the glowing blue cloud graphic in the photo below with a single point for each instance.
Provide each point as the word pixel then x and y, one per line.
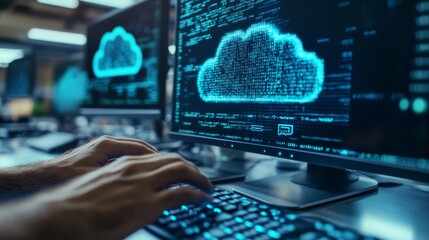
pixel 261 66
pixel 70 91
pixel 118 55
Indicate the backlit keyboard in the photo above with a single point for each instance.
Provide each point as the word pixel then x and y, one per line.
pixel 232 216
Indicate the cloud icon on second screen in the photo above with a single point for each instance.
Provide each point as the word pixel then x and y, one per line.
pixel 118 55
pixel 261 66
pixel 70 91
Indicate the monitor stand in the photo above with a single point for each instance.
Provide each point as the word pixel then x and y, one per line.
pixel 309 188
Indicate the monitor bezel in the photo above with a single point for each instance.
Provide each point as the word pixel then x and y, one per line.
pixel 322 159
pixel 154 112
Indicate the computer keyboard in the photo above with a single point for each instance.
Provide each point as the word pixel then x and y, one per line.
pixel 232 216
pixel 56 142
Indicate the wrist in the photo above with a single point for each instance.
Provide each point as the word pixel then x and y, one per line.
pixel 32 177
pixel 58 170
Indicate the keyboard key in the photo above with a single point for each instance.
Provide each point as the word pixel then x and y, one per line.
pixel 230 208
pixel 227 230
pixel 189 231
pixel 263 206
pixel 217 233
pixel 239 228
pixel 173 226
pixel 250 233
pixel 241 213
pixel 261 220
pixel 230 223
pixel 263 237
pixel 251 216
pixel 207 235
pixel 239 236
pixel 272 224
pixel 239 219
pixel 163 220
pixel 206 224
pixel 311 236
pixel 350 235
pixel 273 234
pixel 223 217
pixel 234 201
pixel 259 228
pixel 248 224
pixel 217 210
pixel 252 209
pixel 286 229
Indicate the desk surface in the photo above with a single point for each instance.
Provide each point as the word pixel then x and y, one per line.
pixel 400 212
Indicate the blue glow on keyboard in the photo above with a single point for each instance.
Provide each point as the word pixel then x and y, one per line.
pixel 259 228
pixel 248 224
pixel 217 210
pixel 239 236
pixel 274 234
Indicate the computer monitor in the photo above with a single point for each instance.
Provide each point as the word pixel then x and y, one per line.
pixel 337 84
pixel 20 78
pixel 69 88
pixel 126 60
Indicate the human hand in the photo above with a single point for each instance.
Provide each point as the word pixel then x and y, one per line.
pixel 79 161
pixel 96 154
pixel 120 198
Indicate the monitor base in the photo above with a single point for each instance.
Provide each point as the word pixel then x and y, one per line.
pixel 313 187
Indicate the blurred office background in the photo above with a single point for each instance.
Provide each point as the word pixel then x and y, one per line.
pixel 52 36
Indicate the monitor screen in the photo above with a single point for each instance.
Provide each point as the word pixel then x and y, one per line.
pixel 69 88
pixel 20 78
pixel 126 59
pixel 337 83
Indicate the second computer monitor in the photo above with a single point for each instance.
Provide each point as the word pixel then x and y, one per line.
pixel 126 60
pixel 20 78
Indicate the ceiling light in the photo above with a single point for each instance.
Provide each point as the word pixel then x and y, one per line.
pixel 111 3
pixel 56 36
pixel 8 55
pixel 72 4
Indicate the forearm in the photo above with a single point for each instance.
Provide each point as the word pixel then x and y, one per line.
pixel 31 177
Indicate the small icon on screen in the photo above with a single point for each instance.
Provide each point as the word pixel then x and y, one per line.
pixel 256 128
pixel 285 130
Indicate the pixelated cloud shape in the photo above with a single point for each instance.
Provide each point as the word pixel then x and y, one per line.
pixel 118 55
pixel 261 66
pixel 71 90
